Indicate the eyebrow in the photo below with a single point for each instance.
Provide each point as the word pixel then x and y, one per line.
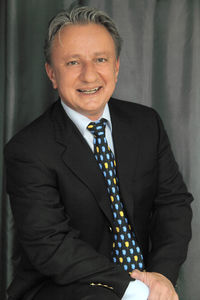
pixel 101 53
pixel 72 56
pixel 79 55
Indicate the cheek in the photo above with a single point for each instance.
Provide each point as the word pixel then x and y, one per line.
pixel 111 76
pixel 114 78
pixel 66 81
pixel 115 75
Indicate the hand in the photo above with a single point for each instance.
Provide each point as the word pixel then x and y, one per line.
pixel 160 287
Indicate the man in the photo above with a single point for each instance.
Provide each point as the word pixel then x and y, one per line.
pixel 95 191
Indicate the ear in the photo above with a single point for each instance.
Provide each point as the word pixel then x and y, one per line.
pixel 51 75
pixel 117 64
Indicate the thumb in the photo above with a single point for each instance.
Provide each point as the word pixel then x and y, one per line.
pixel 136 274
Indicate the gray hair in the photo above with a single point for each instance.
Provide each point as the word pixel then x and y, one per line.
pixel 80 15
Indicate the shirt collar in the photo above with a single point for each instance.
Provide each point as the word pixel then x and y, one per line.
pixel 81 121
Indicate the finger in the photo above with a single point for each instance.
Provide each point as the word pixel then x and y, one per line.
pixel 136 274
pixel 142 276
pixel 154 295
pixel 157 293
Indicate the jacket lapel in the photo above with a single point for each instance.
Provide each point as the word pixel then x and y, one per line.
pixel 126 144
pixel 79 158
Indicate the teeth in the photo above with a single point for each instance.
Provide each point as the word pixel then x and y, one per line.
pixel 92 91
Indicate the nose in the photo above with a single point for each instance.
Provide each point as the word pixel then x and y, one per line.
pixel 88 72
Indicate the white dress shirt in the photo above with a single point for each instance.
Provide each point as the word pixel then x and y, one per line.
pixel 136 290
pixel 82 122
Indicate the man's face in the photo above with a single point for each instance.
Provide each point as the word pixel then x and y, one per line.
pixel 84 67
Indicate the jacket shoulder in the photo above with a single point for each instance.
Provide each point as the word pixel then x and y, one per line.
pixel 38 132
pixel 131 109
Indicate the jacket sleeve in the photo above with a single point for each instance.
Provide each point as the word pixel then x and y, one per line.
pixel 43 227
pixel 170 229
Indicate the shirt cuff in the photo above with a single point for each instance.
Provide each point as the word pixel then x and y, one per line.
pixel 136 290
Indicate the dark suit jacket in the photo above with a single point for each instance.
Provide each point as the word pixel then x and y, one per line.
pixel 61 207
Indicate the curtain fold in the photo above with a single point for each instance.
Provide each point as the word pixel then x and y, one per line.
pixel 160 67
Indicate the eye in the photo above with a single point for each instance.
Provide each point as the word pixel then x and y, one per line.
pixel 101 59
pixel 72 63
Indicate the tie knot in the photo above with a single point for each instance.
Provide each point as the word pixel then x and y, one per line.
pixel 97 128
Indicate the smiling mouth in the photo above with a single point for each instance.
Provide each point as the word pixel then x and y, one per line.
pixel 89 91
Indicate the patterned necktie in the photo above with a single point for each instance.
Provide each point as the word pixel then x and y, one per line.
pixel 126 251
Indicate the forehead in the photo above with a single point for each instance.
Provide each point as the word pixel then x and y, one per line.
pixel 90 37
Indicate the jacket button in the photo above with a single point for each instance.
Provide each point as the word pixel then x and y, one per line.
pixel 110 228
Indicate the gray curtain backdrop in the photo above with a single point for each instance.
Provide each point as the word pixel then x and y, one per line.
pixel 160 67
